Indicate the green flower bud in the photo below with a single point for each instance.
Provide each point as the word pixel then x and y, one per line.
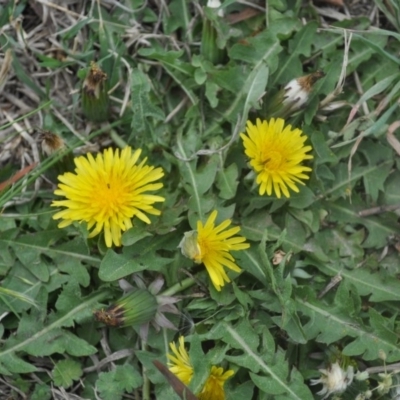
pixel 94 94
pixel 209 49
pixel 136 308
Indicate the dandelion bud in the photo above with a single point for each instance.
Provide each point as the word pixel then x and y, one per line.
pixel 136 308
pixel 362 376
pixel 293 96
pixel 382 355
pixel 209 48
pixel 368 394
pixel 94 94
pixel 385 384
pixel 190 247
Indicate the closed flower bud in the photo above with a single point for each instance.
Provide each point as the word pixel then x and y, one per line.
pixel 94 94
pixel 385 384
pixel 293 96
pixel 209 48
pixel 190 247
pixel 136 308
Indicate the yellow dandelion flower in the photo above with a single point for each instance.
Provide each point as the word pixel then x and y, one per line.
pixel 180 365
pixel 214 386
pixel 211 245
pixel 276 152
pixel 106 192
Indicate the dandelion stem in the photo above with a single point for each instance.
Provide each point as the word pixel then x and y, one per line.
pixel 178 287
pixel 146 381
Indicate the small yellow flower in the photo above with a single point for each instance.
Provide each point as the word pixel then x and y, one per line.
pixel 276 152
pixel 211 245
pixel 180 365
pixel 106 192
pixel 214 386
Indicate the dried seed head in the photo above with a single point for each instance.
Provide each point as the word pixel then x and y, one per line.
pixel 111 316
pixel 278 257
pixel 94 94
pixel 51 143
pixel 94 81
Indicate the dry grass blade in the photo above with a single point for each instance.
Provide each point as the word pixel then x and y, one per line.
pixel 20 174
pixel 392 139
pixel 180 389
pixel 5 68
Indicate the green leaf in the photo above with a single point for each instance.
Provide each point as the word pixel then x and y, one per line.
pixel 263 48
pixel 112 385
pixel 301 44
pixel 39 340
pixel 275 370
pixel 142 107
pixel 391 192
pixel 115 266
pixel 65 372
pixel 366 282
pixel 41 392
pixel 331 323
pixel 227 181
pixel 303 199
pixel 255 87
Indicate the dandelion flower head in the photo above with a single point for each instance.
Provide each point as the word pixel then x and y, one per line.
pixel 211 245
pixel 107 191
pixel 179 361
pixel 276 154
pixel 214 387
pixel 180 366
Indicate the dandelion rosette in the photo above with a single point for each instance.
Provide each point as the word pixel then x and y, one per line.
pixel 181 366
pixel 106 192
pixel 276 154
pixel 211 245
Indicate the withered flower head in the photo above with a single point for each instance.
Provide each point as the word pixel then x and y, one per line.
pixel 94 94
pixel 51 143
pixel 94 80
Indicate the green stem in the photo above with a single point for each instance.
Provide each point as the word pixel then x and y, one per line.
pixel 146 381
pixel 178 287
pixel 117 139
